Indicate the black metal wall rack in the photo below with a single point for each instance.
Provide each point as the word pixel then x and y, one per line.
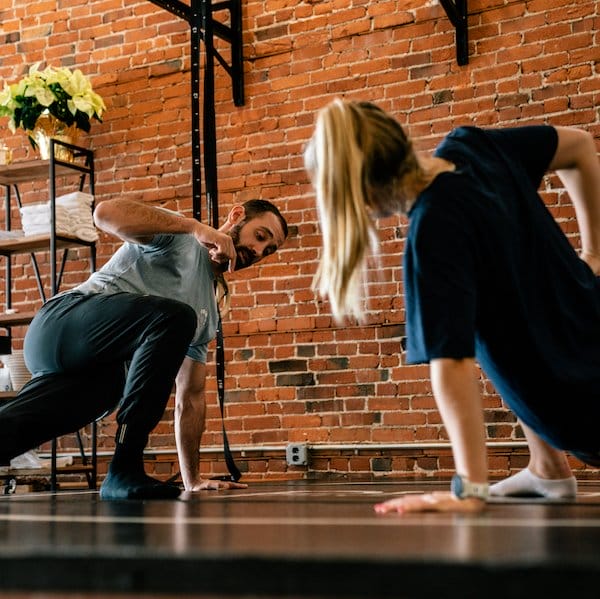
pixel 457 12
pixel 203 27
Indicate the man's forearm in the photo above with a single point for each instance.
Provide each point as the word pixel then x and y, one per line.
pixel 135 221
pixel 456 390
pixel 138 223
pixel 189 426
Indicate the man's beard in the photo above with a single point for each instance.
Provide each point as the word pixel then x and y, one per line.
pixel 245 256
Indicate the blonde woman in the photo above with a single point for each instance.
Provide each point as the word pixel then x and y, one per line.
pixel 488 277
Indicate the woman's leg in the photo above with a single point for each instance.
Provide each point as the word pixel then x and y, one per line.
pixel 548 473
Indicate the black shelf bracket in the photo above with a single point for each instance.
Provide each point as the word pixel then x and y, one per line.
pixel 457 12
pixel 203 27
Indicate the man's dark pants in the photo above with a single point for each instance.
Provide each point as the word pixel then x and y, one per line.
pixel 77 348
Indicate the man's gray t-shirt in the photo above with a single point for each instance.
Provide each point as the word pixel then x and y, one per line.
pixel 171 266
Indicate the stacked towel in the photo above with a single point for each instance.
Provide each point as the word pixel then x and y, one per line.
pixel 79 205
pixel 14 234
pixel 35 219
pixel 73 214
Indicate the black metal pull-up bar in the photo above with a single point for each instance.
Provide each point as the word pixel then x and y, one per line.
pixel 457 12
pixel 203 27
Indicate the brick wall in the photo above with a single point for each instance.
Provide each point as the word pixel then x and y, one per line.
pixel 293 374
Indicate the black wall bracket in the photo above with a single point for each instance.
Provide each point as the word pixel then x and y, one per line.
pixel 457 13
pixel 203 27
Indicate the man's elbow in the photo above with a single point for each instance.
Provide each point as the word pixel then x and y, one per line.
pixel 104 215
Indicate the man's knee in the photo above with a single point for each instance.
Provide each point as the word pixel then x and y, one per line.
pixel 183 315
pixel 175 322
pixel 170 311
pixel 189 315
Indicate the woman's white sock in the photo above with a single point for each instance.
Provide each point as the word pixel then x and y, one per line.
pixel 527 484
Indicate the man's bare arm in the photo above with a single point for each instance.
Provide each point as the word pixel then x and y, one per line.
pixel 190 408
pixel 138 223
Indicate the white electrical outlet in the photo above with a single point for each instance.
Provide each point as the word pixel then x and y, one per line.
pixel 296 454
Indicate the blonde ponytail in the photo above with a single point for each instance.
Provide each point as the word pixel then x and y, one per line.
pixel 336 163
pixel 359 158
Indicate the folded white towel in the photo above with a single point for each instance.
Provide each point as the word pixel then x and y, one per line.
pixel 14 234
pixel 77 197
pixel 73 216
pixel 62 222
pixel 44 219
pixel 40 210
pixel 87 234
pixel 46 230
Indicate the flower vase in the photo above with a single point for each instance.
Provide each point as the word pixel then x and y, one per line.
pixel 48 127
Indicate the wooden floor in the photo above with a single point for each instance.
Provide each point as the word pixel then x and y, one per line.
pixel 295 540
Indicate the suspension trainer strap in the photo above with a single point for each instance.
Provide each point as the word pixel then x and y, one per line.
pixel 233 469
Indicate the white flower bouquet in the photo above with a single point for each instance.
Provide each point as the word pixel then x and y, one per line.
pixel 64 94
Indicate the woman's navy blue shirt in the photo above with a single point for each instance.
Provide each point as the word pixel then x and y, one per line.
pixel 489 274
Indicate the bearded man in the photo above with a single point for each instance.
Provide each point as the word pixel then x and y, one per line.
pixel 134 328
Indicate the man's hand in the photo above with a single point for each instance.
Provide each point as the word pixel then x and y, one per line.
pixel 592 260
pixel 216 485
pixel 440 501
pixel 220 245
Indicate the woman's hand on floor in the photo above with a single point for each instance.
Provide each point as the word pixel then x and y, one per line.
pixel 439 501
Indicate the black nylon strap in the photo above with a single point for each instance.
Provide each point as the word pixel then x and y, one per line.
pixel 234 472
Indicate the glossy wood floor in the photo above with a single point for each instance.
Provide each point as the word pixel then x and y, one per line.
pixel 300 539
